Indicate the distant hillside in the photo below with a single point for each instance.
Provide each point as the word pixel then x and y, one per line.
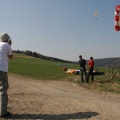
pixel 106 61
pixel 98 62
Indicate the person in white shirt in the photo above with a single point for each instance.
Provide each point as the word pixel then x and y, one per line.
pixel 5 55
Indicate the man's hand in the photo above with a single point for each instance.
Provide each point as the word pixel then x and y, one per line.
pixel 10 42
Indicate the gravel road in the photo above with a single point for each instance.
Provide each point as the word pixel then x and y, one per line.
pixel 59 100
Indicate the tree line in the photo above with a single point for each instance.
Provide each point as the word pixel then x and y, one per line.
pixel 38 55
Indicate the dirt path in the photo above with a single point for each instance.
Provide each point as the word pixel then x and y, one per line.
pixel 59 100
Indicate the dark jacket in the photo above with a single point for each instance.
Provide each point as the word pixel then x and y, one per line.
pixel 82 63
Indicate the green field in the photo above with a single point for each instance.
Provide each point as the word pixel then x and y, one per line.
pixel 37 68
pixel 49 70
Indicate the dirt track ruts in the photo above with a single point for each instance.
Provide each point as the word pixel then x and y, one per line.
pixel 59 100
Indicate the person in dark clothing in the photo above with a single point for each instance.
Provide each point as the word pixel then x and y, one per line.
pixel 91 68
pixel 82 63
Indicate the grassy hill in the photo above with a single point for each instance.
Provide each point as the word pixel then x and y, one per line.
pixel 37 68
pixel 98 62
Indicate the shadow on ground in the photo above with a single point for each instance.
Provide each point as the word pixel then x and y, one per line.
pixel 79 115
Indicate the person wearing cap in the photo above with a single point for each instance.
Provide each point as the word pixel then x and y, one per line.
pixel 91 68
pixel 5 54
pixel 82 63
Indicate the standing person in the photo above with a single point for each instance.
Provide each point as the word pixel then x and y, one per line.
pixel 91 68
pixel 82 63
pixel 5 54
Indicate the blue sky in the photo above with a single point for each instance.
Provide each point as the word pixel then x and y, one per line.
pixel 62 28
